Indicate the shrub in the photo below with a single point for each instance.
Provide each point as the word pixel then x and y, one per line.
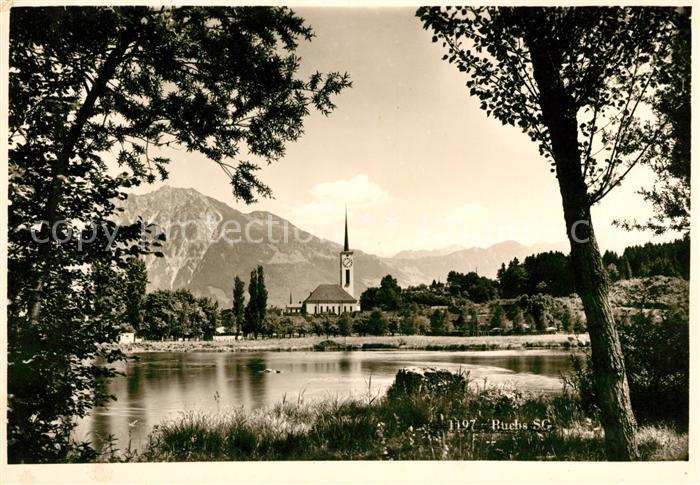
pixel 656 354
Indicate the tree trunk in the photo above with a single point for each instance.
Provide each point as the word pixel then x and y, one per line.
pixel 608 364
pixel 559 113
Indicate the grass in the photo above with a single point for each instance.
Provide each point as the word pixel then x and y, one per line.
pixel 409 423
pixel 413 342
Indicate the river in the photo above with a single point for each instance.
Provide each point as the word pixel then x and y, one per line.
pixel 161 385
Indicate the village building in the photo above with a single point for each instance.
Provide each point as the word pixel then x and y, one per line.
pixel 293 308
pixel 333 298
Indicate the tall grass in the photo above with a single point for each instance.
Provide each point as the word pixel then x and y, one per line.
pixel 406 424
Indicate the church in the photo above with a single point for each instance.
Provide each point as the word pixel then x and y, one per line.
pixel 334 298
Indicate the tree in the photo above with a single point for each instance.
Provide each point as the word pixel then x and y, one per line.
pixel 330 325
pixel 577 81
pixel 135 293
pixel 179 314
pixel 549 272
pixel 407 324
pixel 567 320
pixel 227 320
pixel 238 306
pixel 389 294
pixel 518 319
pixel 473 322
pixel 257 303
pixel 461 324
pixel 393 325
pixel 497 318
pixel 159 314
pixel 478 289
pixel 110 289
pixel 512 280
pixel 273 324
pixel 251 323
pixel 656 352
pixel 670 195
pixel 345 325
pixel 368 299
pixel 539 307
pixel 376 324
pixel 210 309
pixel 422 324
pixel 579 324
pixel 219 81
pixel 188 317
pixel 437 322
pixel 529 322
pixel 360 326
pixel 261 295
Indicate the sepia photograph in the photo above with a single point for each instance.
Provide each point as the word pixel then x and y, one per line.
pixel 298 233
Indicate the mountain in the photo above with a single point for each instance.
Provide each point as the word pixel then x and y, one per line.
pixel 207 246
pixel 484 261
pixel 423 253
pixel 208 243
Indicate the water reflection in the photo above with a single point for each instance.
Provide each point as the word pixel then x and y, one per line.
pixel 257 380
pixel 162 385
pixel 345 363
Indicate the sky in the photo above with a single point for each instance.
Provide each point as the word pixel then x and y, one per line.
pixel 410 153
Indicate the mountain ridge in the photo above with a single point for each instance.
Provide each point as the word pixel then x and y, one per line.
pixel 205 249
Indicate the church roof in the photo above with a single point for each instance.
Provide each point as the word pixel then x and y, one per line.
pixel 330 294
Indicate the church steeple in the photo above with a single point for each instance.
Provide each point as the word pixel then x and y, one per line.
pixel 346 263
pixel 347 244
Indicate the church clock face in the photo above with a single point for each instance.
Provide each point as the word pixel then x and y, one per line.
pixel 347 261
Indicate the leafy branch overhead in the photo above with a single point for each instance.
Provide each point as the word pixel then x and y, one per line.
pixel 611 64
pixel 95 87
pixel 219 81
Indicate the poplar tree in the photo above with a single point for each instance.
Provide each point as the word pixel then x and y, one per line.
pixel 238 307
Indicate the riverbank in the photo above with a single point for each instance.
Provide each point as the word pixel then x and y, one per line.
pixel 426 415
pixel 413 342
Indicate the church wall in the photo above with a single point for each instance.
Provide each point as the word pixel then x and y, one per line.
pixel 337 308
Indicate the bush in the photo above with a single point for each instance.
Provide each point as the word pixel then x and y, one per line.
pixel 656 354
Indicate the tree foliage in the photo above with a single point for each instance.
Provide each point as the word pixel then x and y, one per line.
pixel 438 322
pixel 97 88
pixel 612 61
pixel 388 296
pixel 238 307
pixel 670 194
pixel 179 314
pixel 376 324
pixel 551 272
pixel 256 308
pixel 664 259
pixel 657 352
pixel 548 272
pixel 478 289
pixel 135 292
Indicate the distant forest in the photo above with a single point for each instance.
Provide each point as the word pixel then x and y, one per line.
pixel 546 273
pixel 551 273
